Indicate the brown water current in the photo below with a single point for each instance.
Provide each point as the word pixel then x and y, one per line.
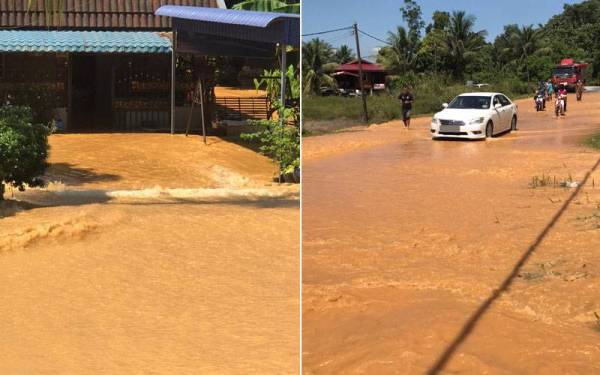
pixel 150 254
pixel 404 238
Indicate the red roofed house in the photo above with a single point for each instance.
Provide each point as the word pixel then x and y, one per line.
pixel 374 74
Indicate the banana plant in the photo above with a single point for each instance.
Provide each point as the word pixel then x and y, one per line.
pixel 270 81
pixel 268 6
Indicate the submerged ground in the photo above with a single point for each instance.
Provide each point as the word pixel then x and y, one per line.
pixel 150 254
pixel 405 239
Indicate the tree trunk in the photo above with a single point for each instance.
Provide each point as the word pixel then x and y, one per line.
pixel 1 191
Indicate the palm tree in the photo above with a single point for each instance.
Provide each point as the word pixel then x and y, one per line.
pixel 343 54
pixel 401 53
pixel 315 53
pixel 462 42
pixel 525 42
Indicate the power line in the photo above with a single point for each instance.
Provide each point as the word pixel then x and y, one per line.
pixel 374 37
pixel 339 38
pixel 328 31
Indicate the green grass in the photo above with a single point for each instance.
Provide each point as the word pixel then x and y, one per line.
pixel 593 141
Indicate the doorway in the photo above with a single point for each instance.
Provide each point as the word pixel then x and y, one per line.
pixel 91 93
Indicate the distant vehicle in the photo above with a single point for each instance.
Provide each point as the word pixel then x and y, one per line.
pixel 475 84
pixel 327 91
pixel 475 115
pixel 568 72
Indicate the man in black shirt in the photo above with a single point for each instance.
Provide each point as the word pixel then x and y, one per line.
pixel 407 98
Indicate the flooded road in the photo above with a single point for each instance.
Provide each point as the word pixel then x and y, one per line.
pixel 405 238
pixel 150 254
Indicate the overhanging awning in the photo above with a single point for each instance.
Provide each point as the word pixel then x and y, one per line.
pixel 228 32
pixel 214 31
pixel 83 41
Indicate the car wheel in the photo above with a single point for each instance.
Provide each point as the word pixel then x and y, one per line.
pixel 513 123
pixel 489 130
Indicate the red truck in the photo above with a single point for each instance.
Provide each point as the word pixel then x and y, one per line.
pixel 568 72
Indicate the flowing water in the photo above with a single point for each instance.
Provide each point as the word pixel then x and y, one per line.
pixel 404 238
pixel 151 254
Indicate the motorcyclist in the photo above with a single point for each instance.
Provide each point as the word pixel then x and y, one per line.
pixel 543 91
pixel 540 93
pixel 562 94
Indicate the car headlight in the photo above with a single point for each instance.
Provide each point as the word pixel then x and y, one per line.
pixel 478 120
pixel 435 121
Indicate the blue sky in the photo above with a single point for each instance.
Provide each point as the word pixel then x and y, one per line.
pixel 377 17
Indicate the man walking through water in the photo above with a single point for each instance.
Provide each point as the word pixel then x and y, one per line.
pixel 407 98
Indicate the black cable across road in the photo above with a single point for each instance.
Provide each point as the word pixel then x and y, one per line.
pixel 328 31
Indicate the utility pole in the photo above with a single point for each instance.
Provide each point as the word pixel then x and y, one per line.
pixel 360 78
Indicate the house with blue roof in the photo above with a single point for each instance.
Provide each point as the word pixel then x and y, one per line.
pixel 94 65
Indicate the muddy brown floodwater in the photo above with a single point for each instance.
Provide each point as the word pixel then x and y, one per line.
pixel 404 238
pixel 150 254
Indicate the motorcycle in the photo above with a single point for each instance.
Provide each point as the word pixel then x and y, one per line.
pixel 539 102
pixel 559 105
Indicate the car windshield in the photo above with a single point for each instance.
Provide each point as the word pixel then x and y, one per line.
pixel 563 71
pixel 470 102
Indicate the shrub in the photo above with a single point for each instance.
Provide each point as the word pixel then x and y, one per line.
pixel 23 148
pixel 279 140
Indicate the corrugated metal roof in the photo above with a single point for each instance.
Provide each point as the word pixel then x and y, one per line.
pixel 88 14
pixel 367 66
pixel 228 16
pixel 83 41
pixel 237 25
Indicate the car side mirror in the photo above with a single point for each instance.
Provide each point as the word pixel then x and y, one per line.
pixel 498 105
pixel 444 105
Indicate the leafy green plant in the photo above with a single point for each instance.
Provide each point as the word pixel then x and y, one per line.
pixel 279 140
pixel 271 83
pixel 268 6
pixel 23 148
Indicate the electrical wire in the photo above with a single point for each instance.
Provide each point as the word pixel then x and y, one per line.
pixel 338 38
pixel 328 31
pixel 374 37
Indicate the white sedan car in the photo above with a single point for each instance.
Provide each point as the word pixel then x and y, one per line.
pixel 475 115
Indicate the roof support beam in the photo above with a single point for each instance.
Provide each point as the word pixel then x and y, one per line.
pixel 173 79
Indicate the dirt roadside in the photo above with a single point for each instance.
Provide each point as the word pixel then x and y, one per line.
pixel 404 238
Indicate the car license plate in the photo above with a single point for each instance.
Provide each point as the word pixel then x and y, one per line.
pixel 450 128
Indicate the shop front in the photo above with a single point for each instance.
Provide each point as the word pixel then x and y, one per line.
pixel 97 81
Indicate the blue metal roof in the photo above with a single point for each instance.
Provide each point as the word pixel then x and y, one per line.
pixel 235 25
pixel 83 41
pixel 228 16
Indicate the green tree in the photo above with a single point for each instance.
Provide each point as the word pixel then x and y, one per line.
pixel 343 54
pixel 432 52
pixel 23 148
pixel 399 55
pixel 525 43
pixel 315 53
pixel 462 42
pixel 411 14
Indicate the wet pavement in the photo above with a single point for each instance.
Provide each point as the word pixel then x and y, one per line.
pixel 405 238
